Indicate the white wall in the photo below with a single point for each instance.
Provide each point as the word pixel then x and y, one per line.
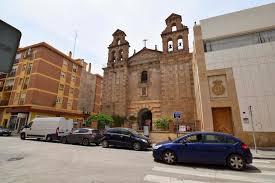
pixel 254 73
pixel 238 22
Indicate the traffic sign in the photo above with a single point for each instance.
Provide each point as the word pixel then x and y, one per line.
pixel 177 115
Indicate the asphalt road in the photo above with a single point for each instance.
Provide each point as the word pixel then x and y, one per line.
pixel 41 162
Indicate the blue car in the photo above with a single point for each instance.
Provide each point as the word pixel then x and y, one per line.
pixel 206 148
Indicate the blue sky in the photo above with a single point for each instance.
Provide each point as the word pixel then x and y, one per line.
pixel 55 22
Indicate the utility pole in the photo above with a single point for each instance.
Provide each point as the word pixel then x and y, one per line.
pixel 253 131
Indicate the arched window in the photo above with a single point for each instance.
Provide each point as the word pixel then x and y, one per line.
pixel 144 77
pixel 118 41
pixel 170 45
pixel 174 28
pixel 180 43
pixel 113 56
pixel 120 55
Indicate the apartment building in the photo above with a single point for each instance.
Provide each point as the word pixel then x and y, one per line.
pixel 233 64
pixel 43 82
pixel 90 95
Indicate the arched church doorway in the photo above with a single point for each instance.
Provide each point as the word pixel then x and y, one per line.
pixel 145 118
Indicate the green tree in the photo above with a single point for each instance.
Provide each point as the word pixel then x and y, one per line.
pixel 118 120
pixel 162 123
pixel 102 119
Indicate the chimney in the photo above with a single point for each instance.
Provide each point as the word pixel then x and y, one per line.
pixel 134 51
pixel 89 68
pixel 156 47
pixel 70 54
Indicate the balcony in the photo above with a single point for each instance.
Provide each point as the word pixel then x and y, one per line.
pixel 2 76
pixel 4 102
pixel 12 74
pixel 29 70
pixel 21 102
pixel 25 86
pixel 8 88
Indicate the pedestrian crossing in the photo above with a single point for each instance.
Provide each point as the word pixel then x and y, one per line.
pixel 259 171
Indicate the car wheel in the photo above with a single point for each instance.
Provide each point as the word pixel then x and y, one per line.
pixel 85 142
pixel 97 143
pixel 49 138
pixel 137 146
pixel 169 157
pixel 105 143
pixel 64 140
pixel 236 162
pixel 23 136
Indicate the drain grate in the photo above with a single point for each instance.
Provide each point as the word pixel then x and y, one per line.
pixel 15 159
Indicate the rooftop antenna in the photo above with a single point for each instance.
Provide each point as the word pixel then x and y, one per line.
pixel 74 43
pixel 145 40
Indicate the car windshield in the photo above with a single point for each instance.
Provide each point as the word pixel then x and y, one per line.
pixel 180 138
pixel 134 132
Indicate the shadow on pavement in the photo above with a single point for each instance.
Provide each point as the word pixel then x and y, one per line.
pixel 249 169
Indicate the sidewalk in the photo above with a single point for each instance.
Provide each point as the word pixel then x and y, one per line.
pixel 264 153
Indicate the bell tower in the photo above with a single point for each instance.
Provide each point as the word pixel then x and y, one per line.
pixel 175 35
pixel 118 49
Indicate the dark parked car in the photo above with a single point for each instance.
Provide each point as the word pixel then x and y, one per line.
pixel 5 132
pixel 205 147
pixel 125 137
pixel 84 136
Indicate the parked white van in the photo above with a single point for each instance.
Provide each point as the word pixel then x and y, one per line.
pixel 49 129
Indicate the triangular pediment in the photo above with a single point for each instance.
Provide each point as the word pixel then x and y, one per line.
pixel 145 54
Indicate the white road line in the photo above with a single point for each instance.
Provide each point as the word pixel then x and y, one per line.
pixel 212 174
pixel 260 165
pixel 260 161
pixel 163 179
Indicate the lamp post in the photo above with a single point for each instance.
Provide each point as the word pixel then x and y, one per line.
pixel 252 124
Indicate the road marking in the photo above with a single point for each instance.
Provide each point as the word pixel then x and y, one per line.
pixel 163 179
pixel 212 174
pixel 260 165
pixel 260 161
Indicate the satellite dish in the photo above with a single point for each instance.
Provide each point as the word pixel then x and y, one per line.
pixel 9 42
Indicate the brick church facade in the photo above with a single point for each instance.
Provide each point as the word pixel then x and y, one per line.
pixel 151 84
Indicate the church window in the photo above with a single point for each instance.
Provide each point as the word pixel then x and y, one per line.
pixel 144 77
pixel 170 45
pixel 180 43
pixel 113 57
pixel 118 42
pixel 174 28
pixel 121 55
pixel 143 91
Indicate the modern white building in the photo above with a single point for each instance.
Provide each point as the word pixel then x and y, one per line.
pixel 234 68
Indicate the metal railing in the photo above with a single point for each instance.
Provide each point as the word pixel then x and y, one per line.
pixel 4 102
pixel 8 88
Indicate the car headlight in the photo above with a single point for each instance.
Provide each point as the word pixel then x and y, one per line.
pixel 143 140
pixel 157 146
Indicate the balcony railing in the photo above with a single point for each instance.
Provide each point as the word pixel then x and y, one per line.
pixel 8 88
pixel 4 102
pixel 29 70
pixel 12 74
pixel 25 86
pixel 21 102
pixel 3 76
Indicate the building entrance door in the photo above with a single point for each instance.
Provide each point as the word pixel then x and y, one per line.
pixel 145 119
pixel 222 120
